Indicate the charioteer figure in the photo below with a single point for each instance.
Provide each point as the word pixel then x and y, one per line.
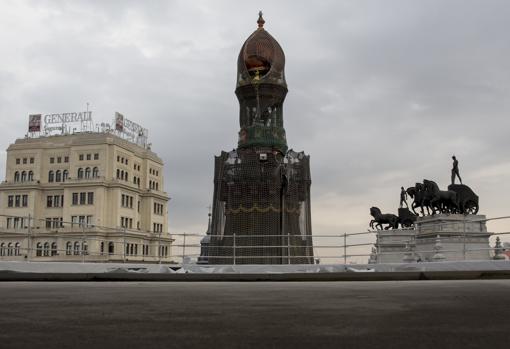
pixel 403 197
pixel 455 170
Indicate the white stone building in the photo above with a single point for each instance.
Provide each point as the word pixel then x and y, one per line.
pixel 84 196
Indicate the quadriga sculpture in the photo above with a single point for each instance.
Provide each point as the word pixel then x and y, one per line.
pixel 390 219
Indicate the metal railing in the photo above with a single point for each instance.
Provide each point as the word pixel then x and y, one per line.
pixel 122 244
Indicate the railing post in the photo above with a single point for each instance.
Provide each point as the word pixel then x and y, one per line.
pixel 124 247
pixel 288 248
pixel 29 240
pixel 159 248
pixel 184 248
pixel 83 243
pixel 345 248
pixel 234 245
pixel 464 244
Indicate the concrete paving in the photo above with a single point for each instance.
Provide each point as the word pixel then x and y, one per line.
pixel 384 314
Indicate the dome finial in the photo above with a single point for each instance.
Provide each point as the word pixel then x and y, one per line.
pixel 260 21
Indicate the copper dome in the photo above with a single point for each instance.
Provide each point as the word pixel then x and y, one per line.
pixel 261 58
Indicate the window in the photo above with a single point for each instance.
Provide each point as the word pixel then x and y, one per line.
pixel 118 158
pixel 87 172
pixel 16 176
pixel 10 201
pixel 53 248
pixel 66 158
pixel 2 249
pixel 111 248
pixel 17 249
pixel 31 160
pixel 69 248
pixel 95 172
pixel 89 156
pixel 96 156
pixel 17 200
pixel 46 249
pixel 9 249
pixel 38 249
pixel 9 222
pixel 59 159
pixel 30 176
pixel 18 161
pixel 58 176
pixel 76 248
pixel 65 175
pixel 52 160
pixel 51 177
pixel 23 176
pixel 75 198
pixel 118 173
pixel 80 173
pixel 24 200
pixel 90 198
pixel 49 201
pixel 80 157
pixel 24 161
pixel 101 248
pixel 85 248
pixel 83 198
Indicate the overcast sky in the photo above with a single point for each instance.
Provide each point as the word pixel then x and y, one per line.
pixel 381 93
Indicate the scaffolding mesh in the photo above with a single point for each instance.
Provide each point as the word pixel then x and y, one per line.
pixel 261 208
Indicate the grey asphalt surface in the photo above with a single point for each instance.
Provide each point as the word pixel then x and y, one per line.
pixel 384 314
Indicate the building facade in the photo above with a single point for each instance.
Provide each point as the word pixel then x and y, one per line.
pixel 261 204
pixel 83 196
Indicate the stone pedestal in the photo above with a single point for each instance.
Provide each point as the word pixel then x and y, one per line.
pixel 458 233
pixel 392 244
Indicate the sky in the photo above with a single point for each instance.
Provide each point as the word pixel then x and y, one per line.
pixel 381 93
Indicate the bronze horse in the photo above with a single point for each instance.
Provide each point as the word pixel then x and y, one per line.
pixel 420 199
pixel 440 200
pixel 380 219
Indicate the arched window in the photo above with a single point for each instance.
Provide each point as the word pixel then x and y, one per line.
pixel 17 251
pixel 30 176
pixel 150 184
pixel 53 248
pixel 51 176
pixel 65 175
pixel 101 248
pixel 16 176
pixel 76 248
pixel 23 176
pixel 69 248
pixel 134 179
pixel 111 248
pixel 138 181
pixel 80 173
pixel 157 186
pixel 9 249
pixel 87 172
pixel 85 248
pixel 118 173
pixel 125 176
pixel 38 249
pixel 2 249
pixel 122 174
pixel 58 176
pixel 46 249
pixel 95 172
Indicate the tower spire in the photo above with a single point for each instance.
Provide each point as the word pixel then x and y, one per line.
pixel 260 21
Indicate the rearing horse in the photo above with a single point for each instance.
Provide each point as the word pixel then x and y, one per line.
pixel 443 200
